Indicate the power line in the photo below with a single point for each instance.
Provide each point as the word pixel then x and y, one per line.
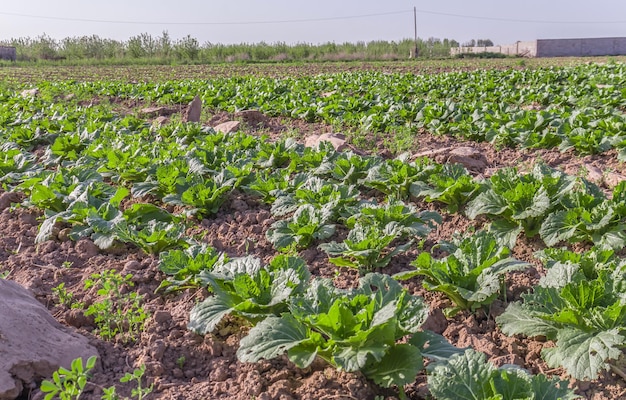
pixel 532 21
pixel 209 23
pixel 290 21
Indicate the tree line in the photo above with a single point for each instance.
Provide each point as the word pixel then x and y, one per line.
pixel 145 48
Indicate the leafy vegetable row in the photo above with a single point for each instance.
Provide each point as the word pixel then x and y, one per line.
pixel 98 174
pixel 580 305
pixel 549 203
pixel 578 107
pixel 98 183
pixel 197 169
pixel 353 329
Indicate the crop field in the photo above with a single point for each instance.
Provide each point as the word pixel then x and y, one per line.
pixel 467 242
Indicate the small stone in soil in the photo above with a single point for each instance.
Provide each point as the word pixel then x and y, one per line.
pixel 436 321
pixel 220 374
pixel 132 265
pixel 283 385
pixel 239 205
pixel 155 368
pixel 158 350
pixel 309 255
pixel 161 317
pixel 254 388
pixel 76 318
pixel 29 219
pixel 509 359
pixel 175 334
pixel 7 198
pixel 214 348
pixel 222 387
pixel 262 216
pixel 584 386
pixel 86 248
pixel 47 247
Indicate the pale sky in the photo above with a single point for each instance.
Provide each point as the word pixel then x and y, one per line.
pixel 251 21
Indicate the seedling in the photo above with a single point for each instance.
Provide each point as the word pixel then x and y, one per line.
pixel 117 313
pixel 65 298
pixel 139 392
pixel 68 384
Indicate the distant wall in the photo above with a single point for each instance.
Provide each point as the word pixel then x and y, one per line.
pixel 581 47
pixel 554 48
pixel 8 53
pixel 523 49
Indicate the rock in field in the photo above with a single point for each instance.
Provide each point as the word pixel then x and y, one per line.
pixel 469 157
pixel 29 93
pixel 336 139
pixel 433 153
pixel 594 174
pixel 7 198
pixel 154 111
pixel 32 343
pixel 193 111
pixel 227 127
pixel 161 120
pixel 612 179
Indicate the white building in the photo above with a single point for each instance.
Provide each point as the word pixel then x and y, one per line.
pixel 554 48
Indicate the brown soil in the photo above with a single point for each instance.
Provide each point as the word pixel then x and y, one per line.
pixel 157 73
pixel 183 365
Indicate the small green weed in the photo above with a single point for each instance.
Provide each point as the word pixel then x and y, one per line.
pixel 17 250
pixel 117 313
pixel 401 141
pixel 65 298
pixel 68 384
pixel 138 392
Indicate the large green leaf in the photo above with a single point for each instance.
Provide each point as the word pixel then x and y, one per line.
pixel 364 347
pixel 551 389
pixel 489 281
pixel 518 320
pixel 513 383
pixel 469 376
pixel 560 226
pixel 250 290
pixel 472 275
pixel 434 346
pixel 206 315
pixel 506 231
pixel 486 203
pixel 393 368
pixel 465 377
pixel 584 354
pixel 307 224
pixel 271 337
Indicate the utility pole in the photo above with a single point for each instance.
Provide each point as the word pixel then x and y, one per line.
pixel 416 50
